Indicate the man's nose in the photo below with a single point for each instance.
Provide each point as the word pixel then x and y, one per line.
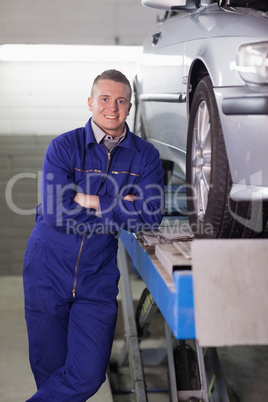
pixel 114 106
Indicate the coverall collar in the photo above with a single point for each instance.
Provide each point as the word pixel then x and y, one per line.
pixel 128 142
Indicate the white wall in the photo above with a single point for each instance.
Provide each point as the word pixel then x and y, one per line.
pixel 49 98
pixel 38 97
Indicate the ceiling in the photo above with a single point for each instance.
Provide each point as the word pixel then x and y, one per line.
pixel 91 22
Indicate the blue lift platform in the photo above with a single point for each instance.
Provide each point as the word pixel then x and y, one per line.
pixel 173 294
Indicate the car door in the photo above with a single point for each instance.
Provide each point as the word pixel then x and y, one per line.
pixel 163 93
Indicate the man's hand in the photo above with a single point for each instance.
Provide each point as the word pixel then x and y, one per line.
pixel 130 197
pixel 92 201
pixel 87 200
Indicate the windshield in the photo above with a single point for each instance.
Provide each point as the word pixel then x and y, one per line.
pixel 261 5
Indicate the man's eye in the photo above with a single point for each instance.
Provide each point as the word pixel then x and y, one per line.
pixel 121 101
pixel 104 99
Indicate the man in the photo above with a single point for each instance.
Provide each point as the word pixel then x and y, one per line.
pixel 96 181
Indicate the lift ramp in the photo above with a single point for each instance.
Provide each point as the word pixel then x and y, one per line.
pixel 192 283
pixel 169 289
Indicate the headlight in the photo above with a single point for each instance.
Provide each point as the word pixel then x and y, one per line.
pixel 252 62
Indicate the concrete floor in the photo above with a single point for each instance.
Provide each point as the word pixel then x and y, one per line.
pixel 245 368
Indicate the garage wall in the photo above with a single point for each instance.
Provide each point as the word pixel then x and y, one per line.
pixel 124 22
pixel 20 164
pixel 49 97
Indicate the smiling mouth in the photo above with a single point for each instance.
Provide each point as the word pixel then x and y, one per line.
pixel 111 117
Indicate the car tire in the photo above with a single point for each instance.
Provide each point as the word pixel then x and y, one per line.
pixel 212 213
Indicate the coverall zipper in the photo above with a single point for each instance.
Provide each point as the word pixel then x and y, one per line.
pixel 107 170
pixel 82 243
pixel 77 262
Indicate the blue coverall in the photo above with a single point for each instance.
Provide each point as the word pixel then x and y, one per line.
pixel 70 273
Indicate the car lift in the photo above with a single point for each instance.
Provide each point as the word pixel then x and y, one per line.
pixel 194 374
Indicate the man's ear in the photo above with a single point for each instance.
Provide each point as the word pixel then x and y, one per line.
pixel 129 107
pixel 89 102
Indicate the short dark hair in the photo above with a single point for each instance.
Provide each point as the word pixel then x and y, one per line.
pixel 113 75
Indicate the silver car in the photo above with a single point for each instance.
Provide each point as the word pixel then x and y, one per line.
pixel 201 94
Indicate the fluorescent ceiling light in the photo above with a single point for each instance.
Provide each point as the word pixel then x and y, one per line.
pixel 76 53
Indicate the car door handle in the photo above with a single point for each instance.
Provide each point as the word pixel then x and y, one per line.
pixel 156 37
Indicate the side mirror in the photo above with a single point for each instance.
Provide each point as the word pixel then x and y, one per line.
pixel 164 4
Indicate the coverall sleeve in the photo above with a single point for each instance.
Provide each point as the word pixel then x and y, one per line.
pixel 58 190
pixel 145 213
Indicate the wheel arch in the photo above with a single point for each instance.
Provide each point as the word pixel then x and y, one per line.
pixel 197 71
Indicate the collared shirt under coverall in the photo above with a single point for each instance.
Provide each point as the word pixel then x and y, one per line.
pixel 70 273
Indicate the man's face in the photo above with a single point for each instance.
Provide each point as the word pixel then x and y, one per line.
pixel 110 104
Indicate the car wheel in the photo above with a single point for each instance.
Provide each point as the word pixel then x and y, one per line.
pixel 212 214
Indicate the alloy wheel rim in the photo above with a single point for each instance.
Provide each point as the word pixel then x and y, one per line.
pixel 201 160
